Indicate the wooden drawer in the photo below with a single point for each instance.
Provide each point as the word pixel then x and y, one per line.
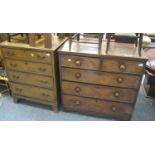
pixel 109 65
pixel 97 107
pixel 29 55
pixel 102 78
pixel 31 79
pixel 100 92
pixel 33 92
pixel 24 66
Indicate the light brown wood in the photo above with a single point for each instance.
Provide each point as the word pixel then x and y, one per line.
pixel 25 66
pixel 28 55
pixel 100 92
pixel 101 78
pixel 34 92
pixel 31 79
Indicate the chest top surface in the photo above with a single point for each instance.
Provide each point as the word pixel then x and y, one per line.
pixel 56 43
pixel 115 50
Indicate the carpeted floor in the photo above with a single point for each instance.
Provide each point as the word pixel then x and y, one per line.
pixel 27 111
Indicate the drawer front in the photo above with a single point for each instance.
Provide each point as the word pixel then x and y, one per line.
pixel 109 65
pixel 31 79
pixel 103 78
pixel 94 106
pixel 100 92
pixel 43 57
pixel 33 92
pixel 29 67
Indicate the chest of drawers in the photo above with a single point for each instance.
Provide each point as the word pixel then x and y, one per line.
pixel 93 82
pixel 32 71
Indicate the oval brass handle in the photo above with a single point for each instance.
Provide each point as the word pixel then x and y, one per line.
pixel 19 89
pixel 77 75
pixel 40 57
pixel 44 82
pixel 13 65
pixel 11 53
pixel 45 95
pixel 77 102
pixel 117 94
pixel 77 89
pixel 122 67
pixel 16 77
pixel 42 69
pixel 78 62
pixel 119 80
pixel 114 109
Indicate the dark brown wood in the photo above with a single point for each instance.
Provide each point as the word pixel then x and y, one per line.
pixel 48 40
pixel 32 39
pixel 100 83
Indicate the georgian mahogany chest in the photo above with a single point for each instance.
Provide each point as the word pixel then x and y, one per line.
pixel 32 71
pixel 99 83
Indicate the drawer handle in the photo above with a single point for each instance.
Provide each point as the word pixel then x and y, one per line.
pixel 19 89
pixel 16 77
pixel 117 94
pixel 11 53
pixel 45 95
pixel 120 80
pixel 78 62
pixel 41 57
pixel 114 109
pixel 42 69
pixel 44 82
pixel 77 75
pixel 77 102
pixel 77 89
pixel 122 67
pixel 13 65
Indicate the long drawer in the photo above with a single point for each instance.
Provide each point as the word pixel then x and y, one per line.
pixel 31 79
pixel 97 77
pixel 95 106
pixel 33 92
pixel 24 66
pixel 100 92
pixel 28 55
pixel 109 65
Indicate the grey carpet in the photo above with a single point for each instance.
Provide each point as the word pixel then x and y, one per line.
pixel 27 111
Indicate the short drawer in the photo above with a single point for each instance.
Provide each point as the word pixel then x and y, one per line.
pixel 100 92
pixel 97 107
pixel 33 92
pixel 31 79
pixel 24 66
pixel 105 64
pixel 28 55
pixel 102 78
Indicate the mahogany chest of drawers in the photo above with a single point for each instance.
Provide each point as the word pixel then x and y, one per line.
pixel 32 71
pixel 94 82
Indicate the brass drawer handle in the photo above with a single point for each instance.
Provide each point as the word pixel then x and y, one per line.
pixel 11 53
pixel 77 89
pixel 42 69
pixel 19 89
pixel 13 65
pixel 117 94
pixel 122 67
pixel 78 62
pixel 45 95
pixel 120 80
pixel 77 102
pixel 15 77
pixel 40 57
pixel 114 108
pixel 77 75
pixel 44 82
